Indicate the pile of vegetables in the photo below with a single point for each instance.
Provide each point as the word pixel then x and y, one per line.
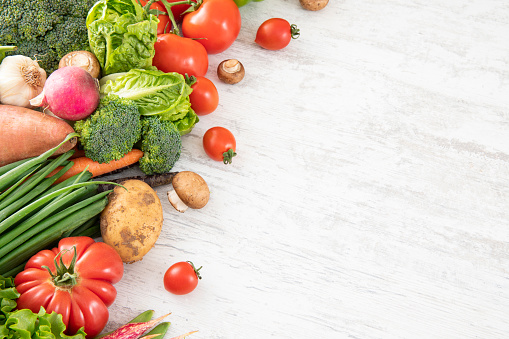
pixel 88 87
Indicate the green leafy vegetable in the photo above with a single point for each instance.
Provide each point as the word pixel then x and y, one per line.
pixel 24 323
pixel 156 93
pixel 111 131
pixel 46 30
pixel 121 34
pixel 161 145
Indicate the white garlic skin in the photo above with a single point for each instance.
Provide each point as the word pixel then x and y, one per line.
pixel 21 79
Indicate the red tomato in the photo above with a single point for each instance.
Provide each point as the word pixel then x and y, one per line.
pixel 164 20
pixel 84 297
pixel 182 55
pixel 219 144
pixel 276 33
pixel 181 278
pixel 204 98
pixel 216 24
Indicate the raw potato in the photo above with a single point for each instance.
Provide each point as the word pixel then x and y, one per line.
pixel 132 220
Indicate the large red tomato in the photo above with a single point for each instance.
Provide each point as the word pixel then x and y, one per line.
pixel 182 55
pixel 81 291
pixel 164 20
pixel 215 24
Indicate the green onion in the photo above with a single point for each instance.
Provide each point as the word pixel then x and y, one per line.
pixel 50 235
pixel 38 223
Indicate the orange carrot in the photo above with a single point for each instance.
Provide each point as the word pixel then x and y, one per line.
pixel 97 168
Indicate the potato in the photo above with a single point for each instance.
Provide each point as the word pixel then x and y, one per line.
pixel 132 220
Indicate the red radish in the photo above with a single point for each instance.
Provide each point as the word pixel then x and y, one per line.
pixel 70 93
pixel 133 330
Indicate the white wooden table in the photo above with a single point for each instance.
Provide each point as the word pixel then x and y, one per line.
pixel 370 194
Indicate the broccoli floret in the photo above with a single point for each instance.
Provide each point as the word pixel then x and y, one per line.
pixel 45 30
pixel 111 131
pixel 161 145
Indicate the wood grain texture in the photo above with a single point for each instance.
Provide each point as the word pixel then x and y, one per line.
pixel 370 194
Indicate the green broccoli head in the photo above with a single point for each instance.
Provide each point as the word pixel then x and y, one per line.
pixel 161 145
pixel 111 131
pixel 45 30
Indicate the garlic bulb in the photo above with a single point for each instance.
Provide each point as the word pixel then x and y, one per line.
pixel 21 79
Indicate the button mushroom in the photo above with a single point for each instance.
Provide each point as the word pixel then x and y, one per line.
pixel 84 59
pixel 189 190
pixel 230 71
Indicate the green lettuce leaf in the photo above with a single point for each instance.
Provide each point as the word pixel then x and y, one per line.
pixel 121 35
pixel 8 296
pixel 24 324
pixel 155 93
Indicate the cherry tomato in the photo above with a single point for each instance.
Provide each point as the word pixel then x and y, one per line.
pixel 174 53
pixel 215 24
pixel 80 293
pixel 276 33
pixel 219 144
pixel 204 98
pixel 164 20
pixel 181 278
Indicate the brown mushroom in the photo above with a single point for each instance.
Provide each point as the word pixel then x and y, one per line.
pixel 313 5
pixel 189 190
pixel 84 59
pixel 230 71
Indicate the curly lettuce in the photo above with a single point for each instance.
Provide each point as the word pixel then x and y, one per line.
pixel 155 93
pixel 24 323
pixel 122 35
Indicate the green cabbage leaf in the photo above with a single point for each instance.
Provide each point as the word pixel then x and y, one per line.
pixel 155 93
pixel 121 35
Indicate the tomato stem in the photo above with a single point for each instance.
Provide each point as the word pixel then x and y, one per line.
pixel 295 31
pixel 190 80
pixel 196 270
pixel 65 275
pixel 192 7
pixel 228 156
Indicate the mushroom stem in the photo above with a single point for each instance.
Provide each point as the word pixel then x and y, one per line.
pixel 176 202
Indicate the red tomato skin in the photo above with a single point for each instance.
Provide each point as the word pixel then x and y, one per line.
pixel 204 97
pixel 180 278
pixel 97 264
pixel 218 140
pixel 174 53
pixel 216 24
pixel 274 34
pixel 164 20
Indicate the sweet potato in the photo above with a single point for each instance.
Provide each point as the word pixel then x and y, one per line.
pixel 26 133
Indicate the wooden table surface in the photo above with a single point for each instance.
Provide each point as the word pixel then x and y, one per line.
pixel 370 194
